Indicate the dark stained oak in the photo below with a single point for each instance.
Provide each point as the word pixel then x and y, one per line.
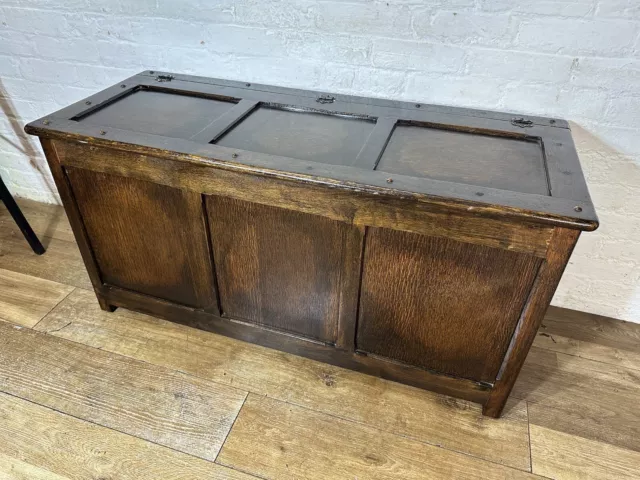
pixel 146 237
pixel 545 285
pixel 276 267
pixel 440 304
pixel 413 242
pixel 483 160
pixel 153 112
pixel 307 136
pixel 225 122
pixel 350 207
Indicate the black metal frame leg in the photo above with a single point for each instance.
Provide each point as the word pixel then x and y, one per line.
pixel 18 217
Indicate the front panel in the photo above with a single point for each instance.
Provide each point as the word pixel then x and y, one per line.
pixel 146 237
pixel 278 268
pixel 440 304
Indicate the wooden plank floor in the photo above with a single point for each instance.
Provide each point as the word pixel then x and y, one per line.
pixel 86 394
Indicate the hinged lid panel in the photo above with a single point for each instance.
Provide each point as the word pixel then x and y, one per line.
pixel 482 161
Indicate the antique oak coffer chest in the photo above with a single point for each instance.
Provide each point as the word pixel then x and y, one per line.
pixel 419 243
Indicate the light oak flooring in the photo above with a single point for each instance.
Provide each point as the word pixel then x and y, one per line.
pixel 86 394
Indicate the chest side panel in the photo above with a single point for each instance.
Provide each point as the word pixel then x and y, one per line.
pixel 146 237
pixel 276 267
pixel 441 304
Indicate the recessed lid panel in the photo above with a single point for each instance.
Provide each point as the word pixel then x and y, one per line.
pixel 159 113
pixel 317 137
pixel 475 159
pixel 525 166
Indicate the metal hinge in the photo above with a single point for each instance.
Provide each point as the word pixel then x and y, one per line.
pixel 521 122
pixel 325 99
pixel 164 78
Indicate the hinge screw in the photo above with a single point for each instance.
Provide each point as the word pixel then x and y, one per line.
pixel 102 132
pixel 234 155
pixel 46 122
pixel 389 180
pixel 87 102
pixel 577 209
pixel 123 86
pixel 418 105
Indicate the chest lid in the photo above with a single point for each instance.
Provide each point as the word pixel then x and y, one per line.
pixel 480 160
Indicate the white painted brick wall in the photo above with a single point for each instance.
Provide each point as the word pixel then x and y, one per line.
pixel 577 59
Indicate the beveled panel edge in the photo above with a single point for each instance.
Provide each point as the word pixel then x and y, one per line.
pixel 225 122
pixel 566 178
pixel 447 195
pixel 544 286
pixel 403 104
pixel 375 145
pixel 477 392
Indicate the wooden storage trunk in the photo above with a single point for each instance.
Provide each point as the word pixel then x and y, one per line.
pixel 419 243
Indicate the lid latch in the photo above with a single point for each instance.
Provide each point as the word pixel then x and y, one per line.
pixel 521 122
pixel 164 78
pixel 325 99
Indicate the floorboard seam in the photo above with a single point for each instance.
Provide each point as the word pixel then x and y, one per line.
pixel 406 437
pixel 105 426
pixel 346 419
pixel 587 358
pixel 55 306
pixel 526 403
pixel 255 475
pixel 231 428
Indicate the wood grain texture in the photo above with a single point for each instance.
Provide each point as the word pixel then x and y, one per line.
pixel 549 275
pixel 145 237
pixel 24 299
pixel 277 267
pixel 62 262
pixel 273 439
pixel 46 220
pixel 440 304
pixel 296 345
pixel 73 213
pixel 149 245
pixel 351 207
pixel 593 400
pixel 15 469
pixel 454 197
pixel 487 161
pixel 165 407
pixel 559 455
pixel 350 287
pixel 621 356
pixel 73 448
pixel 590 336
pixel 393 407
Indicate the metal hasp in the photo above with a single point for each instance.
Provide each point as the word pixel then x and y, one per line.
pixel 164 78
pixel 521 122
pixel 325 99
